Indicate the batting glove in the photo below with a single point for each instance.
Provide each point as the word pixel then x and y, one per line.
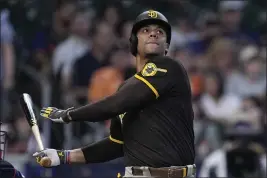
pixel 57 157
pixel 56 115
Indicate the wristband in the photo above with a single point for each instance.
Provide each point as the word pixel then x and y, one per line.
pixel 67 157
pixel 64 156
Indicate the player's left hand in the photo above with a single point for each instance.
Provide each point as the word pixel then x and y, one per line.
pixel 56 157
pixel 56 115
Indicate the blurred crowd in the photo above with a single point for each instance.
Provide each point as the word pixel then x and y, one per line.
pixel 70 53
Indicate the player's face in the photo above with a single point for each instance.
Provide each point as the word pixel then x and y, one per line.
pixel 152 40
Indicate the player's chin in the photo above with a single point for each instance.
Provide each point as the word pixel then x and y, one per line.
pixel 153 51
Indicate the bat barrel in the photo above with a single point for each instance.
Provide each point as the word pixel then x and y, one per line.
pixel 27 106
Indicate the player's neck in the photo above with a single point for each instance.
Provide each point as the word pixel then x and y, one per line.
pixel 140 63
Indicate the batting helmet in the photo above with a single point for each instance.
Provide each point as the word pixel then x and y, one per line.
pixel 146 18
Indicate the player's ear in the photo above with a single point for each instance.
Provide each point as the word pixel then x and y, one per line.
pixel 166 48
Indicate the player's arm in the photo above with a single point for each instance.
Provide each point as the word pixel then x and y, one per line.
pixel 99 152
pixel 105 150
pixel 102 151
pixel 139 90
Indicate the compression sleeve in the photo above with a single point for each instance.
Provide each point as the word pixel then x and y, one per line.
pixel 102 151
pixel 132 95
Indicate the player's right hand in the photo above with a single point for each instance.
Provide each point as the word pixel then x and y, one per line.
pixel 51 157
pixel 56 115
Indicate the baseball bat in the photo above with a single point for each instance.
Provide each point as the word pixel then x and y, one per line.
pixel 27 107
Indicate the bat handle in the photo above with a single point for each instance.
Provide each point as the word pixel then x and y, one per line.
pixel 37 136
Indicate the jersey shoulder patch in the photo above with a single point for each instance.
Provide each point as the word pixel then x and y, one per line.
pixel 151 69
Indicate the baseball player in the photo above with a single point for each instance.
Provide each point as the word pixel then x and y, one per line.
pixel 7 170
pixel 152 115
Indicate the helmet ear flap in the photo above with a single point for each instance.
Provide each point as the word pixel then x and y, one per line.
pixel 133 44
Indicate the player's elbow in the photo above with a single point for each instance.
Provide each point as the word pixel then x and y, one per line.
pixel 119 105
pixel 129 99
pixel 122 107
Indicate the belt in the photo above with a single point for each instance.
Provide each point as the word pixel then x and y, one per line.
pixel 166 172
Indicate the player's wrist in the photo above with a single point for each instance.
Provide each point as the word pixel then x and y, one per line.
pixel 76 156
pixel 64 156
pixel 67 119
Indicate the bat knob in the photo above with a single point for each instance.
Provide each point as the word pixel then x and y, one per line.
pixel 45 162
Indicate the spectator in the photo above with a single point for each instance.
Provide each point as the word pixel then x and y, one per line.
pixel 104 82
pixel 62 21
pixel 125 33
pixel 76 45
pixel 182 34
pixel 248 114
pixel 7 61
pixel 112 14
pixel 231 13
pixel 124 61
pixel 208 136
pixel 209 29
pixel 252 82
pixel 221 56
pixel 217 105
pixel 47 37
pixel 198 122
pixel 196 81
pixel 185 56
pixel 86 65
pixel 18 131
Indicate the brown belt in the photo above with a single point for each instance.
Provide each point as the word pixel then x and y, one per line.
pixel 170 172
